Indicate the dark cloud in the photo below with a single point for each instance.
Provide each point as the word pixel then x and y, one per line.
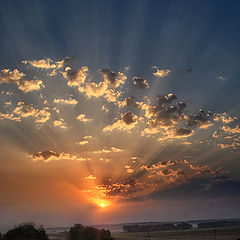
pixel 129 118
pixel 113 79
pixel 46 154
pixel 130 101
pixel 183 131
pixel 199 119
pixel 140 82
pixel 150 180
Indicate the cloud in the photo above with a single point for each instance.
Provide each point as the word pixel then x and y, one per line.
pixel 162 73
pixel 30 85
pixel 201 119
pixel 156 178
pixel 84 142
pixel 88 137
pixel 230 130
pixel 83 118
pixel 233 145
pixel 163 164
pixel 75 77
pixel 60 123
pixel 140 82
pixel 9 116
pixel 91 177
pixel 128 102
pixel 50 155
pixel 128 121
pixel 183 132
pixel 224 117
pixel 47 63
pixel 27 110
pixel 95 89
pixel 16 77
pixel 8 76
pixel 107 150
pixel 66 101
pixel 113 79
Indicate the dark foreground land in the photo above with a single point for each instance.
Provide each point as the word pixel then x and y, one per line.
pixel 195 234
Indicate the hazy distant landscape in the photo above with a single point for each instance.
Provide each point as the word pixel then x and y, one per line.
pixel 221 233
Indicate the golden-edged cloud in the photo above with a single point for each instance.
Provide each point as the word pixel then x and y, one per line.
pixel 127 122
pixel 83 118
pixel 65 101
pixel 50 155
pixel 27 110
pixel 162 72
pixel 16 77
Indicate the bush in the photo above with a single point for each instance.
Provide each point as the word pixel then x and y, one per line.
pixel 26 232
pixel 79 232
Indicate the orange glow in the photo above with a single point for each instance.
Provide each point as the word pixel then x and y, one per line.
pixel 102 203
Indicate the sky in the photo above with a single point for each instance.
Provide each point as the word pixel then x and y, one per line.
pixel 119 111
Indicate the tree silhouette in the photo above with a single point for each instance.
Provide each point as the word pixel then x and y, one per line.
pixel 26 232
pixel 79 232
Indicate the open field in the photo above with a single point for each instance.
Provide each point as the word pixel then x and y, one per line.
pixel 196 234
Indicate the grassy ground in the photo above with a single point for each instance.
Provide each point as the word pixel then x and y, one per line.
pixel 196 234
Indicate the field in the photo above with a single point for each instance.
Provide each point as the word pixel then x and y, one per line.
pixel 196 234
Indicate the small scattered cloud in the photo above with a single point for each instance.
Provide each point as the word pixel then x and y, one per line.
pixel 162 73
pixel 65 101
pixel 108 150
pixel 111 78
pixel 220 77
pixel 127 122
pixel 30 85
pixel 47 63
pixel 91 177
pixel 60 123
pixel 140 82
pixel 83 118
pixel 84 142
pixel 75 77
pixel 27 110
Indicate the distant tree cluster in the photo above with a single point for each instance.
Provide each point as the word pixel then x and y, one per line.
pixel 25 232
pixel 219 224
pixel 79 232
pixel 156 227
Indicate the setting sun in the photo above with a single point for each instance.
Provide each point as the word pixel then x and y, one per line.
pixel 102 205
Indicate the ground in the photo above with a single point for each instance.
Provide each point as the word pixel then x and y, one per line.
pixel 202 234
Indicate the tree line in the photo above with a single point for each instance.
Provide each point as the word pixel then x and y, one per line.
pixel 156 227
pixel 219 224
pixel 179 226
pixel 77 232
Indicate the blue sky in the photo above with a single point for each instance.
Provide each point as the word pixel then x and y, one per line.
pixel 75 136
pixel 171 34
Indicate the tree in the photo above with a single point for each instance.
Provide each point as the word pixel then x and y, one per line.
pixel 26 232
pixel 76 232
pixel 79 232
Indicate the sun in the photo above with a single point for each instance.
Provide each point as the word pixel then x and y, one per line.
pixel 102 205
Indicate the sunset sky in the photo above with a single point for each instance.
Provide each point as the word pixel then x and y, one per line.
pixel 119 111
